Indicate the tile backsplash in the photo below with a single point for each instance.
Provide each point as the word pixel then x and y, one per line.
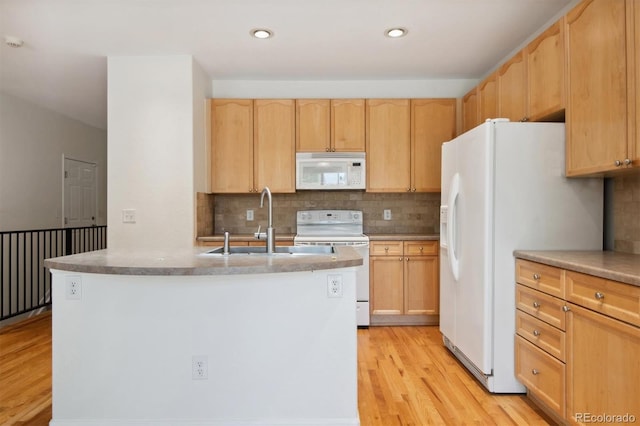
pixel 626 213
pixel 410 213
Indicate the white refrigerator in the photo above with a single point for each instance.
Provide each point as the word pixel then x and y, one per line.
pixel 503 189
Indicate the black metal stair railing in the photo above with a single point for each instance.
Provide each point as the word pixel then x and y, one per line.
pixel 25 282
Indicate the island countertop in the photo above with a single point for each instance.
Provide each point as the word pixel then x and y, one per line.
pixel 195 261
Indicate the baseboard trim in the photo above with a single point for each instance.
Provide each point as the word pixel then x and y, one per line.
pixel 390 320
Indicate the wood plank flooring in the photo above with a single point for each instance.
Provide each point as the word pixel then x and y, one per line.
pixel 406 377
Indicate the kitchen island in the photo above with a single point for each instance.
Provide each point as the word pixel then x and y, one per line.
pixel 191 338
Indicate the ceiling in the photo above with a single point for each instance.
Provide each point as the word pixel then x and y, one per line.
pixel 62 64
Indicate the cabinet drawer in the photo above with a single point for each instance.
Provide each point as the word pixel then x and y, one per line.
pixel 385 248
pixel 542 374
pixel 541 334
pixel 420 248
pixel 615 299
pixel 542 306
pixel 547 279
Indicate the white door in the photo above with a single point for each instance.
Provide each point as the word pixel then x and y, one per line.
pixel 79 193
pixel 474 247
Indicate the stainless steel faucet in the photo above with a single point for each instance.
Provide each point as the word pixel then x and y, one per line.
pixel 270 235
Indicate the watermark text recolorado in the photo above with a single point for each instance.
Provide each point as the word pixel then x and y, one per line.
pixel 605 418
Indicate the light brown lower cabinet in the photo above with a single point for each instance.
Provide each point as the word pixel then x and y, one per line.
pixel 577 347
pixel 404 282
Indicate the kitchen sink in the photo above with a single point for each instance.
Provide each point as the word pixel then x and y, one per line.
pixel 280 250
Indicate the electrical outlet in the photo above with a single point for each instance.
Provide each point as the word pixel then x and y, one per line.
pixel 199 367
pixel 129 216
pixel 387 214
pixel 249 215
pixel 73 287
pixel 334 285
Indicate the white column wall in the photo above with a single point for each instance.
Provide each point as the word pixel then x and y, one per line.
pixel 151 151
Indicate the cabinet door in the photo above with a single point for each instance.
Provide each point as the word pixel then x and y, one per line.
pixel 433 122
pixel 512 89
pixel 231 145
pixel 488 98
pixel 313 118
pixel 634 55
pixel 421 285
pixel 386 285
pixel 348 125
pixel 470 110
pixel 388 145
pixel 545 60
pixel 597 87
pixel 602 365
pixel 274 144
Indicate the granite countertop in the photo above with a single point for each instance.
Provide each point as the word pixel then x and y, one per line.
pixel 286 237
pixel 243 237
pixel 616 266
pixel 403 237
pixel 194 261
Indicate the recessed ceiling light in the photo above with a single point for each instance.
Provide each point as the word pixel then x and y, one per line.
pixel 262 33
pixel 396 32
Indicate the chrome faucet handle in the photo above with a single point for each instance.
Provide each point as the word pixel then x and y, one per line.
pixel 256 234
pixel 225 247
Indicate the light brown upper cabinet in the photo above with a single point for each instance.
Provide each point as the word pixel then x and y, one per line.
pixel 252 145
pixel 325 125
pixel 470 114
pixel 601 100
pixel 512 89
pixel 274 158
pixel 388 145
pixel 231 145
pixel 433 122
pixel 488 98
pixel 348 125
pixel 313 129
pixel 545 69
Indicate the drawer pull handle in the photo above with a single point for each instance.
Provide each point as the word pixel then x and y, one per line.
pixel 536 277
pixel 565 308
pixel 386 249
pixel 536 305
pixel 535 372
pixel 421 248
pixel 599 295
pixel 536 333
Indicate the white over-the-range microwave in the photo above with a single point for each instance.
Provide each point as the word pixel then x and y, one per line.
pixel 330 170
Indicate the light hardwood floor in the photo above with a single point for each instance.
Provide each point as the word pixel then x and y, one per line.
pixel 405 377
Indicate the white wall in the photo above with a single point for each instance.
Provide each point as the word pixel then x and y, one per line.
pixel 280 352
pixel 33 140
pixel 342 88
pixel 151 150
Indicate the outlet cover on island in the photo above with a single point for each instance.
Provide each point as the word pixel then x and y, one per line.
pixel 387 214
pixel 129 216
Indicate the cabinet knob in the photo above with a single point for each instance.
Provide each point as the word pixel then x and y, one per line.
pixel 413 190
pixel 565 308
pixel 406 258
pixel 535 372
pixel 618 163
pixel 408 189
pixel 536 333
pixel 400 259
pixel 386 249
pixel 536 305
pixel 421 248
pixel 333 149
pixel 327 149
pixel 599 295
pixel 525 118
pixel 536 277
pixel 627 161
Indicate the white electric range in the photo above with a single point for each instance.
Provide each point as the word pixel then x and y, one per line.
pixel 339 227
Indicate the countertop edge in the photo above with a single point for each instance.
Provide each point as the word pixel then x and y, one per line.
pixel 194 262
pixel 615 266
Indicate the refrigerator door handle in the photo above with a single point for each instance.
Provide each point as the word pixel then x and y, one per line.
pixel 452 230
